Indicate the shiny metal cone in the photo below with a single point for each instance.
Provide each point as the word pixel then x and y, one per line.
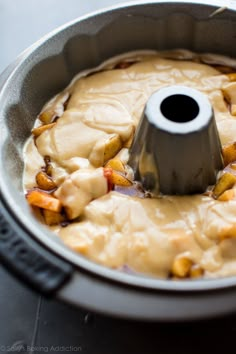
pixel 176 149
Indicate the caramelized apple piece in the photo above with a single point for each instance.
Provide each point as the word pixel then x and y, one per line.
pixel 229 92
pixel 231 76
pixel 228 232
pixel 118 178
pixel 229 153
pixel 39 130
pixel 116 164
pixel 112 146
pixel 225 182
pixel 44 181
pixel 227 195
pixel 43 200
pixel 52 217
pixel 47 116
pixel 233 165
pixel 196 271
pixel 181 267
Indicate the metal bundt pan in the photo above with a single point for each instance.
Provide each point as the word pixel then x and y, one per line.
pixel 29 250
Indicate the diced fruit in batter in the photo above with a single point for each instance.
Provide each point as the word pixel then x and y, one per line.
pixel 233 166
pixel 44 181
pixel 229 92
pixel 43 200
pixel 112 146
pixel 229 153
pixel 196 271
pixel 118 178
pixel 52 217
pixel 227 195
pixel 116 164
pixel 232 76
pixel 228 232
pixel 225 182
pixel 39 130
pixel 181 267
pixel 47 116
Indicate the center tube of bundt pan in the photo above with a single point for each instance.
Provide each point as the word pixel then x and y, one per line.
pixel 176 149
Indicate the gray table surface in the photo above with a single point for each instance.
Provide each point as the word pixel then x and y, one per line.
pixel 31 324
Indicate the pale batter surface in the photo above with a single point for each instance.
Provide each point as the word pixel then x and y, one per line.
pixel 148 235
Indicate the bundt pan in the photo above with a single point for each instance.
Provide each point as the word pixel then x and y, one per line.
pixel 34 254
